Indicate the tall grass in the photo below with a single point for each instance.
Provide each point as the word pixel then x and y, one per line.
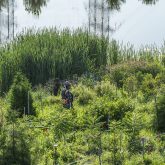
pixel 119 52
pixel 48 53
pixel 45 54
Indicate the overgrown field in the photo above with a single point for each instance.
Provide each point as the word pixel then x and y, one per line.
pixel 119 102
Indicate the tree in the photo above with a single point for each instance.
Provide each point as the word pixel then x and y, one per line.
pixel 149 86
pixel 149 2
pixel 98 17
pixel 2 4
pixel 130 84
pixel 161 110
pixel 7 19
pixel 116 4
pixel 34 6
pixel 19 95
pixel 16 149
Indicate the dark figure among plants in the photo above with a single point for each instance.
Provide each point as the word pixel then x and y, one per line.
pixel 67 96
pixel 56 87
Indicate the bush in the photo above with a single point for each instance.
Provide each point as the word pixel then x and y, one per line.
pixel 105 88
pixel 19 95
pixel 153 68
pixel 119 108
pixel 105 110
pixel 83 94
pixel 148 86
pixel 130 85
pixel 122 71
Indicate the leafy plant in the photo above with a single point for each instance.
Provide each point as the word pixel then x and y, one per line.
pixel 20 97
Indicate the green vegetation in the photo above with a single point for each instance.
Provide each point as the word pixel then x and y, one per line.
pixel 119 101
pixel 45 54
pixel 20 90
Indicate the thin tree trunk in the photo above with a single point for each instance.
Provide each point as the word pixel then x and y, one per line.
pixel 8 26
pixel 100 151
pixel 102 19
pixel 89 16
pixel 13 18
pixel 108 24
pixel 102 26
pixel 13 141
pixel 95 16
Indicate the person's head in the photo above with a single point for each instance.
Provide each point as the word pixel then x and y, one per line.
pixel 67 85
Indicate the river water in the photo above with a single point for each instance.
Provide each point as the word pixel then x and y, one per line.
pixel 136 23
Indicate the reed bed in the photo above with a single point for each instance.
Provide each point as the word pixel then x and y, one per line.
pixel 48 53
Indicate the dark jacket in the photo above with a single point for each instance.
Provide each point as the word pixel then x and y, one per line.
pixel 67 98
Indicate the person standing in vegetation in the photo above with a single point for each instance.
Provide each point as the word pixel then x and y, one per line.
pixel 67 96
pixel 56 87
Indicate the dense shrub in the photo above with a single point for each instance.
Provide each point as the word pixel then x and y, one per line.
pixel 105 88
pixel 122 71
pixel 19 95
pixel 148 86
pixel 107 110
pixel 119 108
pixel 130 85
pixel 83 94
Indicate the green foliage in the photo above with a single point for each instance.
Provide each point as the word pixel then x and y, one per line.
pixel 150 159
pixel 66 154
pixel 121 72
pixel 105 125
pixel 45 54
pixel 106 110
pixel 15 146
pixel 120 107
pixel 130 85
pixel 113 53
pixel 153 68
pixel 111 118
pixel 161 110
pixel 160 79
pixel 87 80
pixel 105 88
pixel 83 94
pixel 20 98
pixel 148 86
